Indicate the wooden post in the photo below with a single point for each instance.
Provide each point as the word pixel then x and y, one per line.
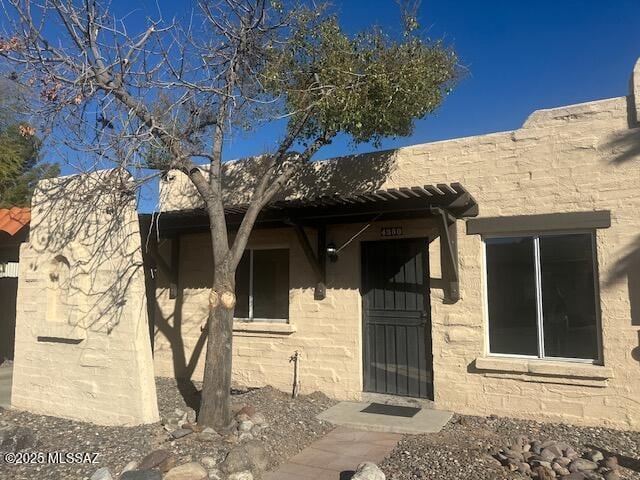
pixel 449 255
pixel 317 265
pixel 175 267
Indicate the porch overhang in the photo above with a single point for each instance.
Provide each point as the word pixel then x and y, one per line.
pixel 444 202
pixel 390 204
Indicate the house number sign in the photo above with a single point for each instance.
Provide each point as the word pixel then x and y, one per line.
pixel 391 231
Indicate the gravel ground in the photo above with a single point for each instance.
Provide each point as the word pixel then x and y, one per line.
pixel 460 450
pixel 291 427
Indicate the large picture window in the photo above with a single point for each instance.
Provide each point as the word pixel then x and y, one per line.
pixel 542 297
pixel 262 286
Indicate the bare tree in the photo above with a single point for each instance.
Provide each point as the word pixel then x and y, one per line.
pixel 150 93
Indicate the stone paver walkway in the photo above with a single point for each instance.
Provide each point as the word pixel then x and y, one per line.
pixel 350 414
pixel 336 455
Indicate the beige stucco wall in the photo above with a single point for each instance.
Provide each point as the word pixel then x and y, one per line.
pixel 82 346
pixel 576 158
pixel 327 333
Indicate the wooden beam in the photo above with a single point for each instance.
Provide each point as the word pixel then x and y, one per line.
pixel 174 276
pixel 540 223
pixel 449 254
pixel 320 292
pixel 318 268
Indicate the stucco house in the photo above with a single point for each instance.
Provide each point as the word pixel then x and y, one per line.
pixel 495 274
pixel 14 230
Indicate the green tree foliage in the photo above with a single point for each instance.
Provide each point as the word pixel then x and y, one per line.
pixel 169 96
pixel 369 86
pixel 20 165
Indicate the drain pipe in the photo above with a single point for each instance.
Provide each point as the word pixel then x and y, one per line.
pixel 295 359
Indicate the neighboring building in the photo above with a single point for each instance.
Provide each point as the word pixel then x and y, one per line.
pixel 509 284
pixel 14 230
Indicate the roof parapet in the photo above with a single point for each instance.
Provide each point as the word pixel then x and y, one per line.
pixel 634 92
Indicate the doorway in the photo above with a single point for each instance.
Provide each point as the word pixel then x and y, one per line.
pixel 397 318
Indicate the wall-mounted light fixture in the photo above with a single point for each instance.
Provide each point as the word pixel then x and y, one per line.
pixel 332 252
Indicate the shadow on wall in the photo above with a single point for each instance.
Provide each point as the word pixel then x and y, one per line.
pixel 89 225
pixel 349 174
pixel 625 148
pixel 628 267
pixel 358 173
pixel 171 327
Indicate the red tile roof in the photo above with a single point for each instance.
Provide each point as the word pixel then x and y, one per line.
pixel 14 219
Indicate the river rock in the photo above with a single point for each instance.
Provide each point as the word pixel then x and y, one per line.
pixel 245 426
pixel 248 410
pixel 191 415
pixel 571 453
pixel 215 474
pixel 102 474
pixel 595 456
pixel 141 475
pixel 258 419
pixel 249 456
pixel 554 450
pixel 246 475
pixel 540 463
pixel 521 440
pixel 611 463
pixel 207 437
pixel 582 464
pixel 612 475
pixel 163 460
pixel 132 465
pixel 513 454
pixel 258 454
pixel 575 476
pixel 181 432
pixel 543 473
pixel 368 471
pixel 524 468
pixel 188 471
pixel 559 469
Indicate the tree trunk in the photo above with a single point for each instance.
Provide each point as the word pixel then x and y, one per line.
pixel 215 409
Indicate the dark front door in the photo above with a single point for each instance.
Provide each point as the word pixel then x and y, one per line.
pixel 397 323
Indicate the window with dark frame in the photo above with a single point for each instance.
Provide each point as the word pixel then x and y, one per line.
pixel 542 296
pixel 262 286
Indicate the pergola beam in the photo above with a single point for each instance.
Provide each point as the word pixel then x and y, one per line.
pixel 448 254
pixel 317 261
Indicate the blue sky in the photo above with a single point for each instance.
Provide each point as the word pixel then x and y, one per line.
pixel 520 56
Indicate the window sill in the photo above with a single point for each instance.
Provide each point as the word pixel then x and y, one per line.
pixel 544 371
pixel 57 332
pixel 273 328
